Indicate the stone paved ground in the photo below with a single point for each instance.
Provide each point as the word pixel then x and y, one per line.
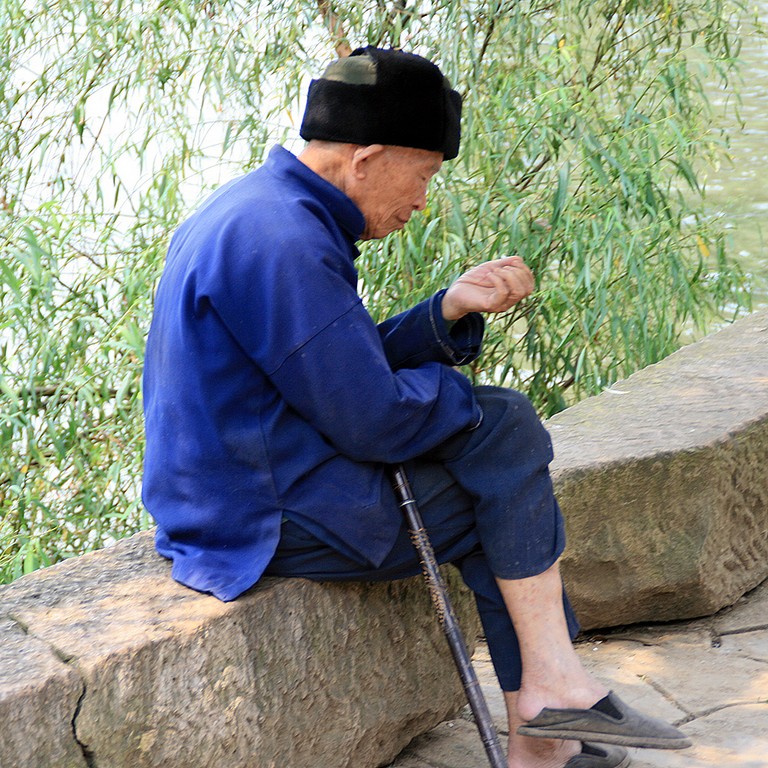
pixel 709 677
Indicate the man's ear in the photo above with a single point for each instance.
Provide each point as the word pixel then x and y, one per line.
pixel 362 156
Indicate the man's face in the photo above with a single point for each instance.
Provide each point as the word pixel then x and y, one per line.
pixel 391 185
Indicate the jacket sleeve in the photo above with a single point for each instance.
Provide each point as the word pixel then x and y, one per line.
pixel 302 323
pixel 420 335
pixel 342 383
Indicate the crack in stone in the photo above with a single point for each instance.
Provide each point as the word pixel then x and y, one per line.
pixel 597 639
pixel 65 658
pixel 719 708
pixel 88 755
pixel 23 626
pixel 662 691
pixel 69 660
pixel 744 630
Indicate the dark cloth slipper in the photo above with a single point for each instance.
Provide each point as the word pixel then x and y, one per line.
pixel 599 756
pixel 610 721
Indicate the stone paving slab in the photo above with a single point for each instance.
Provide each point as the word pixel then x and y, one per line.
pixel 685 670
pixel 450 745
pixel 750 612
pixel 736 737
pixel 754 645
pixel 708 676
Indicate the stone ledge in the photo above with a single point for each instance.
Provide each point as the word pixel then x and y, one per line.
pixel 662 479
pixel 105 662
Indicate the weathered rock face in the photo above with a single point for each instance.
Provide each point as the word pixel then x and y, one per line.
pixel 105 662
pixel 663 480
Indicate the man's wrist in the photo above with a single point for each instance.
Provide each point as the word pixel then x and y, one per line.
pixel 450 312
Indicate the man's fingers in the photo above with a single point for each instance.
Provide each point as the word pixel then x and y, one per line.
pixel 519 280
pixel 493 286
pixel 510 287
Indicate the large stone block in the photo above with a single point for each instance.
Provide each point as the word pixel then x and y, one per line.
pixel 135 670
pixel 663 482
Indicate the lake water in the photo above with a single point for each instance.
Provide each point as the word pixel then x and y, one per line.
pixel 738 190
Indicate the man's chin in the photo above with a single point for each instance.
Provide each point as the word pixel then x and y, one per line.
pixel 378 234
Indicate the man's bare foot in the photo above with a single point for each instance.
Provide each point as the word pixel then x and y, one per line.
pixel 526 752
pixel 531 700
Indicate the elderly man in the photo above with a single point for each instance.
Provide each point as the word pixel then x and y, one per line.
pixel 274 403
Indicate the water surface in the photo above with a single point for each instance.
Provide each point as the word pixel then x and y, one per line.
pixel 737 191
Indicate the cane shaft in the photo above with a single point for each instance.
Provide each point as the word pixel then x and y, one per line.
pixel 447 618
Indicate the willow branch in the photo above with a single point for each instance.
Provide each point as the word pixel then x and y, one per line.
pixel 335 27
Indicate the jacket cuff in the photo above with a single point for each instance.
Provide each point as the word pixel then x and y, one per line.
pixel 460 340
pixel 478 420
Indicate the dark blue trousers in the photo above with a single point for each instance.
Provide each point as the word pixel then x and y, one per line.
pixel 488 505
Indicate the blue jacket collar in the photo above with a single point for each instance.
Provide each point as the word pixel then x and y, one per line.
pixel 350 218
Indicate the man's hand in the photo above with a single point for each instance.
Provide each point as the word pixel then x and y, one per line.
pixel 491 287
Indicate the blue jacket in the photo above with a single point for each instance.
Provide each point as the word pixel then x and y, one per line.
pixel 268 390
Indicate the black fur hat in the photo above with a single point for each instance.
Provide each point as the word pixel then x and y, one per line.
pixel 378 96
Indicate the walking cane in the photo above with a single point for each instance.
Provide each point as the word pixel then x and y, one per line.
pixel 447 618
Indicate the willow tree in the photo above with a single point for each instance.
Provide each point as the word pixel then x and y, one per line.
pixel 585 128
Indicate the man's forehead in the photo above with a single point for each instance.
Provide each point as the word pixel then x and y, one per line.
pixel 433 161
pixel 425 159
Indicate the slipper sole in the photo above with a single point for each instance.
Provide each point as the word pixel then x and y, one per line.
pixel 618 739
pixel 610 721
pixel 611 757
